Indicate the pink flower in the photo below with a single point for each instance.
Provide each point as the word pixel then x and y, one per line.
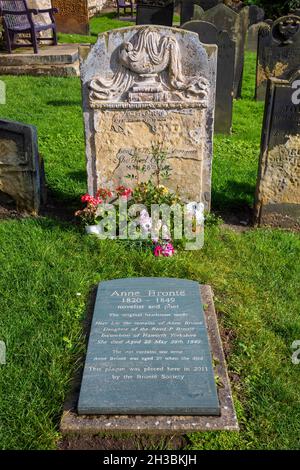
pixel 168 250
pixel 93 201
pixel 158 250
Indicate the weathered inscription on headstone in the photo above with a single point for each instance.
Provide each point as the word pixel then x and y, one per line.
pixel 278 51
pixel 208 34
pixel 235 24
pixel 155 12
pixel 145 86
pixel 20 170
pixel 148 351
pixel 278 186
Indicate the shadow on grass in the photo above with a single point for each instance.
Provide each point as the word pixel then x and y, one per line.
pixel 64 103
pixel 234 202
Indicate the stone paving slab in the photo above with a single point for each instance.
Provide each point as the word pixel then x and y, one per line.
pixel 58 61
pixel 74 426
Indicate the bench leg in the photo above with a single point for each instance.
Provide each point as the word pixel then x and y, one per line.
pixel 34 41
pixel 54 36
pixel 8 41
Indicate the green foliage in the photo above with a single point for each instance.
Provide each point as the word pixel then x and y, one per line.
pixel 276 8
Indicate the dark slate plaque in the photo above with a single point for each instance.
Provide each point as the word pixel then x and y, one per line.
pixel 148 351
pixel 278 52
pixel 155 12
pixel 208 34
pixel 278 185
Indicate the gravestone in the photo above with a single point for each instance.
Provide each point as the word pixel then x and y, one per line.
pixel 208 34
pixel 235 24
pixel 207 4
pixel 148 351
pixel 198 12
pixel 278 52
pixel 155 12
pixel 21 172
pixel 256 14
pixel 145 86
pixel 278 185
pixel 252 36
pixel 72 17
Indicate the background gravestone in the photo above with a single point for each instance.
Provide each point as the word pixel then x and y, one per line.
pixel 72 17
pixel 145 86
pixel 148 351
pixel 21 173
pixel 236 25
pixel 252 36
pixel 278 186
pixel 193 9
pixel 155 12
pixel 278 52
pixel 208 34
pixel 256 14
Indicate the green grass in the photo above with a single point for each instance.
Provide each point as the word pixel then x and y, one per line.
pixel 46 263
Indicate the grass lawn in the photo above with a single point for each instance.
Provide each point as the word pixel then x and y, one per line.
pixel 49 267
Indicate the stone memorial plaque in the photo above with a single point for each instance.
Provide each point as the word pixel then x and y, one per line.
pixel 208 34
pixel 155 12
pixel 20 168
pixel 72 17
pixel 148 351
pixel 278 52
pixel 148 86
pixel 278 185
pixel 236 25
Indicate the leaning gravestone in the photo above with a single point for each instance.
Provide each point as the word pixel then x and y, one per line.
pixel 145 86
pixel 278 52
pixel 21 173
pixel 148 351
pixel 208 34
pixel 278 186
pixel 72 17
pixel 235 24
pixel 155 12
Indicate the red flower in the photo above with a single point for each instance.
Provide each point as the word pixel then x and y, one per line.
pixel 93 201
pixel 124 192
pixel 158 250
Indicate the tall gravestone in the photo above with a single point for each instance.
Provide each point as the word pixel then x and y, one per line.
pixel 235 24
pixel 278 51
pixel 208 34
pixel 155 12
pixel 145 86
pixel 72 17
pixel 21 173
pixel 278 186
pixel 149 352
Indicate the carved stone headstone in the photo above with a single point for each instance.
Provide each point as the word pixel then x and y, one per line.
pixel 193 9
pixel 20 169
pixel 149 352
pixel 235 24
pixel 198 12
pixel 72 17
pixel 278 51
pixel 208 34
pixel 145 86
pixel 252 36
pixel 256 14
pixel 278 186
pixel 155 12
